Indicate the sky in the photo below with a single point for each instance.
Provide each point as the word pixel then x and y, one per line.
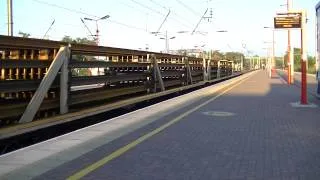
pixel 131 22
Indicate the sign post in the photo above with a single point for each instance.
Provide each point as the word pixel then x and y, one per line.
pixel 304 59
pixel 296 19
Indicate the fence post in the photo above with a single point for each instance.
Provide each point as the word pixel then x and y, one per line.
pixel 157 73
pixel 64 84
pixel 188 70
pixel 44 86
pixel 218 70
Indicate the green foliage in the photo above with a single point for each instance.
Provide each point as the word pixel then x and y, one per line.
pixel 80 57
pixel 80 72
pixel 234 56
pixel 311 64
pixel 297 61
pixel 24 35
pixel 237 58
pixel 216 55
pixel 279 62
pixel 285 57
pixel 78 40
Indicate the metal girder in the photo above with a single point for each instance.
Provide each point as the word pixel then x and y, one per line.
pixel 64 84
pixel 172 73
pixel 204 69
pixel 45 84
pixel 209 70
pixel 197 72
pixel 7 42
pixel 188 69
pixel 23 85
pixel 198 78
pixel 9 63
pixel 219 70
pixel 93 64
pixel 161 65
pixel 86 80
pixel 157 73
pixel 105 94
pixel 173 82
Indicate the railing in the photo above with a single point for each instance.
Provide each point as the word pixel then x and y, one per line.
pixel 28 64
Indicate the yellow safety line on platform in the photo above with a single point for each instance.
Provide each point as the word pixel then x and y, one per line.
pixel 131 145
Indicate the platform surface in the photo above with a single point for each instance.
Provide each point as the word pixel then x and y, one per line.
pixel 247 130
pixel 312 82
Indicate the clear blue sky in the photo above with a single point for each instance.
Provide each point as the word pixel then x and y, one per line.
pixel 131 22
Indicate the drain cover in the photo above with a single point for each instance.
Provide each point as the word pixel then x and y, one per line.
pixel 218 113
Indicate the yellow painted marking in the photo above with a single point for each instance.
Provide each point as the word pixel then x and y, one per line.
pixel 131 145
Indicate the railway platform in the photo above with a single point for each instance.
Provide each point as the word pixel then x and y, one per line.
pixel 248 127
pixel 311 80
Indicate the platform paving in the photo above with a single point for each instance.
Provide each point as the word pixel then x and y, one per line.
pixel 312 82
pixel 250 132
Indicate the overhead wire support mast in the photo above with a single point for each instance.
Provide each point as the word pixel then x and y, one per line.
pixel 49 29
pixel 195 28
pixel 165 19
pixel 87 14
pixel 182 23
pixel 209 17
pixel 93 36
pixel 10 18
pixel 158 12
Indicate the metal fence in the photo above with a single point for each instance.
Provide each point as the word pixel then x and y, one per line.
pixel 58 77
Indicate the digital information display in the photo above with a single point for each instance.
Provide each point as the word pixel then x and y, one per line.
pixel 283 22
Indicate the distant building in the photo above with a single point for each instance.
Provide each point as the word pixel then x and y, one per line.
pixel 188 52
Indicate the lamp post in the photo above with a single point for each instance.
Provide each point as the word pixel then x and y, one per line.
pixel 167 41
pixel 166 38
pixel 266 59
pixel 97 30
pixel 201 50
pixel 272 63
pixel 290 60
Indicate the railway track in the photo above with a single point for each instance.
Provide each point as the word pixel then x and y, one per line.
pixel 127 75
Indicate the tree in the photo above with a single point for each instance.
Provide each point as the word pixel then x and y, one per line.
pixel 286 59
pixel 279 62
pixel 297 61
pixel 67 39
pixel 80 57
pixel 216 55
pixel 311 64
pixel 78 40
pixel 234 56
pixel 24 35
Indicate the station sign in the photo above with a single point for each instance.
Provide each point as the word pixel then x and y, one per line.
pixel 289 21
